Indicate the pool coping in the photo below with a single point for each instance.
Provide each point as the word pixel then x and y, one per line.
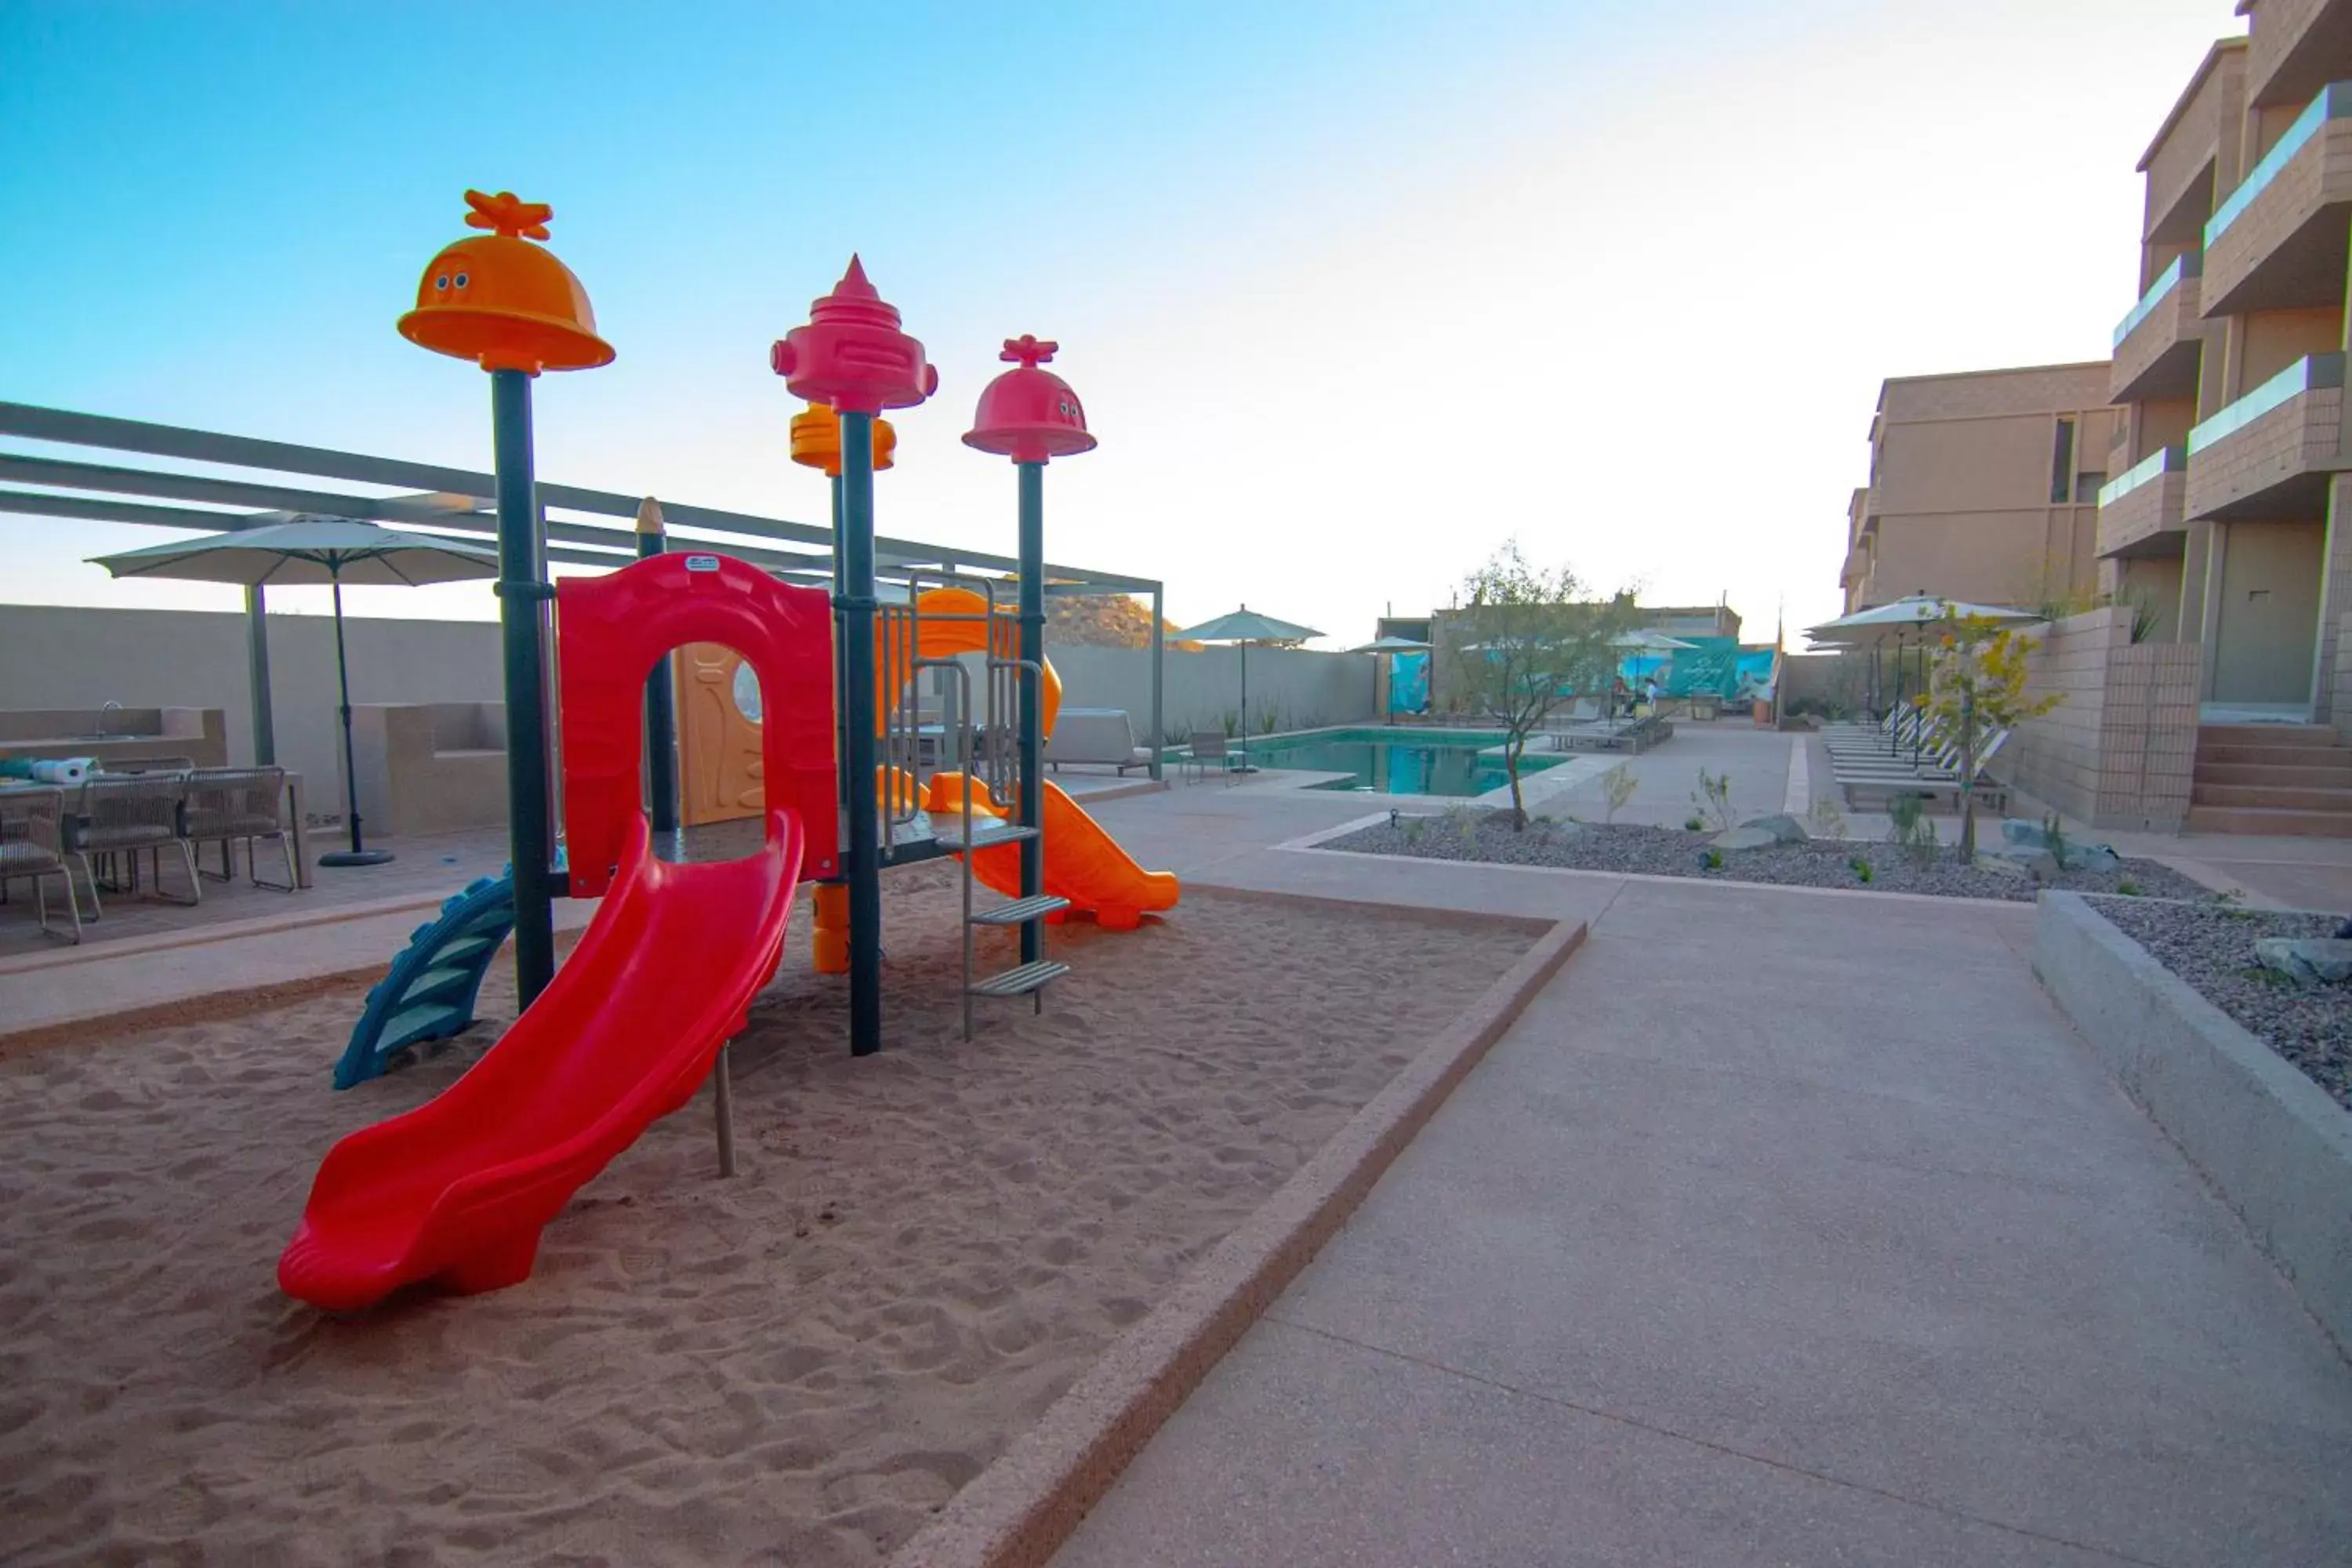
pixel 1018 1511
pixel 1557 773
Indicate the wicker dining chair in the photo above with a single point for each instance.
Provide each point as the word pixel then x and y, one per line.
pixel 230 804
pixel 124 813
pixel 33 846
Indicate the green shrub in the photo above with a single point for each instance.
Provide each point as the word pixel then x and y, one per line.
pixel 1863 871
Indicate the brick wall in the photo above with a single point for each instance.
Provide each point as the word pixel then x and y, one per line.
pixel 2155 507
pixel 2176 320
pixel 2119 749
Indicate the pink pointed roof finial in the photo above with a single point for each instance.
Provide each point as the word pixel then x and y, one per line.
pixel 1028 349
pixel 851 353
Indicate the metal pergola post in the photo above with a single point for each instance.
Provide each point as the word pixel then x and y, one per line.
pixel 523 595
pixel 862 862
pixel 1158 699
pixel 1032 660
pixel 257 664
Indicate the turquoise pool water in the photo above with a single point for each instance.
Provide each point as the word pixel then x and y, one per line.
pixel 1441 761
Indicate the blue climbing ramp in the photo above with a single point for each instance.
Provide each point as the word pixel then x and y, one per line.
pixel 429 993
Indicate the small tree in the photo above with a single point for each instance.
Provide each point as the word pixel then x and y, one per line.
pixel 1527 641
pixel 1975 686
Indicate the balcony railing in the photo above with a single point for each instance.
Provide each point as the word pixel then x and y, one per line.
pixel 2155 466
pixel 2188 264
pixel 2303 375
pixel 2334 102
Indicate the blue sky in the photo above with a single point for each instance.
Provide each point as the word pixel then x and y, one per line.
pixel 1352 291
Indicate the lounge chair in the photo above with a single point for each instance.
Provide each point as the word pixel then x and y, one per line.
pixel 1099 735
pixel 32 846
pixel 230 804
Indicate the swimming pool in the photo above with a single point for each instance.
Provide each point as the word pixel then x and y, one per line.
pixel 1438 761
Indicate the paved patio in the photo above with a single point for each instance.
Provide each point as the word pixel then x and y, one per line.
pixel 1785 1228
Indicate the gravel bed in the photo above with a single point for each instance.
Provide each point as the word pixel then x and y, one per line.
pixel 2211 948
pixel 1673 852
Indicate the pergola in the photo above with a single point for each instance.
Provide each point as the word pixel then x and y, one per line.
pixel 583 527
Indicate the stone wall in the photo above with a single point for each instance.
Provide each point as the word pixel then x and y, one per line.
pixel 2120 749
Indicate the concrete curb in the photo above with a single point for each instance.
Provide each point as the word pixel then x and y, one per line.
pixel 1018 1511
pixel 2270 1141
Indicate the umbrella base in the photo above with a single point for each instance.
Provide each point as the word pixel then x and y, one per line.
pixel 355 858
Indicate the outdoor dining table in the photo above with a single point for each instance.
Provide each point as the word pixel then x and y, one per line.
pixel 293 814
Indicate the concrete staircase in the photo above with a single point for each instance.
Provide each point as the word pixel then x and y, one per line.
pixel 2272 778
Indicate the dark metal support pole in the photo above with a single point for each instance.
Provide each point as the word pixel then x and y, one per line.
pixel 862 859
pixel 523 594
pixel 1159 695
pixel 257 661
pixel 343 684
pixel 1032 653
pixel 661 716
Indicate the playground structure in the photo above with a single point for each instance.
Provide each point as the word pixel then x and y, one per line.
pixel 457 1192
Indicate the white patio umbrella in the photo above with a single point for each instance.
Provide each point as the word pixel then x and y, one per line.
pixel 309 552
pixel 1898 619
pixel 1239 629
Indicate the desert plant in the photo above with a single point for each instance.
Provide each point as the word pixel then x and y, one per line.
pixel 1412 828
pixel 1233 721
pixel 1975 686
pixel 1910 826
pixel 1712 859
pixel 1694 824
pixel 2143 615
pixel 1528 640
pixel 1464 819
pixel 1827 820
pixel 1713 797
pixel 2054 834
pixel 1863 871
pixel 1617 787
pixel 2128 889
pixel 1269 719
pixel 1176 735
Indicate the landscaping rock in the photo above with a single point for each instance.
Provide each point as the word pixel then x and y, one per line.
pixel 1744 838
pixel 2017 830
pixel 2016 834
pixel 2312 961
pixel 2092 857
pixel 1784 829
pixel 2017 860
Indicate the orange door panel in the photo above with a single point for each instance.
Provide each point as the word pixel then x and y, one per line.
pixel 719 766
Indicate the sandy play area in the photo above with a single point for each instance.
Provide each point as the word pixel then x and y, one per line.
pixel 923 1250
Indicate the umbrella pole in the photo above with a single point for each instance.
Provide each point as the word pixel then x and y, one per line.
pixel 357 854
pixel 1246 768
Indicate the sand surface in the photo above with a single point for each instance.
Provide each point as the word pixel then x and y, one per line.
pixel 923 1249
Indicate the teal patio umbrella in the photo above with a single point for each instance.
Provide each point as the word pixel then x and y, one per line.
pixel 307 552
pixel 1239 629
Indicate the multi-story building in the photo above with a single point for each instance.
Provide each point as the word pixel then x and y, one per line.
pixel 2235 466
pixel 1983 487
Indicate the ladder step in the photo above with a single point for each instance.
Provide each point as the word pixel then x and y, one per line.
pixel 1020 911
pixel 1022 981
pixel 982 838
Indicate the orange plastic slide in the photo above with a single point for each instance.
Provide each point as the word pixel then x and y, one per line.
pixel 1083 863
pixel 457 1190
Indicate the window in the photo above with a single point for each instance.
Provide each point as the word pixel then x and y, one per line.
pixel 2087 486
pixel 2061 463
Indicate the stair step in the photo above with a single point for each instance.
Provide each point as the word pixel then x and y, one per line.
pixel 1022 981
pixel 2270 734
pixel 2274 796
pixel 2277 775
pixel 951 838
pixel 1020 911
pixel 2275 756
pixel 2254 819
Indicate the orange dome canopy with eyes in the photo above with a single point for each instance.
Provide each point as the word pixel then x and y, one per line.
pixel 503 302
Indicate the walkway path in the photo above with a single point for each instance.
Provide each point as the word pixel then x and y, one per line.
pixel 1783 1228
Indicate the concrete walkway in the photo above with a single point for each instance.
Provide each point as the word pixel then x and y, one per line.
pixel 1783 1228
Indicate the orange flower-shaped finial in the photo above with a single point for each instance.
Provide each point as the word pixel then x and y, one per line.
pixel 508 215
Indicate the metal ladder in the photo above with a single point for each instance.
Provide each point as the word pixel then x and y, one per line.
pixel 990 765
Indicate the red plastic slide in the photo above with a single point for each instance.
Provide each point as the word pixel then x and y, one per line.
pixel 457 1191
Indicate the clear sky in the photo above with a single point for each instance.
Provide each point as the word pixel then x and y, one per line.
pixel 1353 291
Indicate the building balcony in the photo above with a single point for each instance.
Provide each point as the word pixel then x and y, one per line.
pixel 2277 242
pixel 2294 45
pixel 2144 509
pixel 2158 345
pixel 2269 454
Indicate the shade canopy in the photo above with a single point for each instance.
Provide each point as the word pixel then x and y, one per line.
pixel 310 551
pixel 1246 626
pixel 1906 615
pixel 1646 641
pixel 1391 645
